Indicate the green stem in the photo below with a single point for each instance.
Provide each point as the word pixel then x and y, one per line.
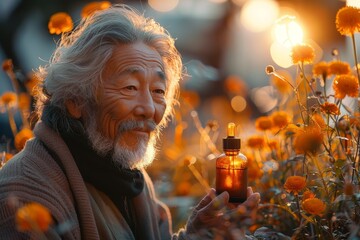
pixel 298 205
pixel 14 81
pixel 11 120
pixel 321 175
pixel 355 159
pixel 305 89
pixel 271 205
pixel 324 79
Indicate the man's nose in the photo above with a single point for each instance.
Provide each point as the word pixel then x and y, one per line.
pixel 145 107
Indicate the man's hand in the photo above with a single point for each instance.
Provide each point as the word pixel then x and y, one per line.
pixel 216 213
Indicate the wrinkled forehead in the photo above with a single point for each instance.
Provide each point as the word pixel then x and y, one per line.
pixel 135 57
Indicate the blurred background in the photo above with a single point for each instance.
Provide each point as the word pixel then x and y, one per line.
pixel 218 39
pixel 225 46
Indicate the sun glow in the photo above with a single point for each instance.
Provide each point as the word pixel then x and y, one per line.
pixel 163 6
pixel 353 3
pixel 265 10
pixel 287 31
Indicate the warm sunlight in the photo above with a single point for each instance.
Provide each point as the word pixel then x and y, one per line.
pixel 266 11
pixel 353 3
pixel 163 6
pixel 287 31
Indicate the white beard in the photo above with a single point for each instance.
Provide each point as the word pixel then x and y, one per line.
pixel 140 158
pixel 122 156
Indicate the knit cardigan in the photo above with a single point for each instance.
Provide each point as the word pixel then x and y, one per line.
pixel 34 176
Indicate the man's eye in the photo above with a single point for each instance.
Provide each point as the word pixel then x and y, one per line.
pixel 159 91
pixel 132 88
pixel 129 90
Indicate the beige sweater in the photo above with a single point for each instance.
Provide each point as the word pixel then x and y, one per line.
pixel 82 211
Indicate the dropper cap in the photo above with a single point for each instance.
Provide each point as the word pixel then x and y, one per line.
pixel 231 142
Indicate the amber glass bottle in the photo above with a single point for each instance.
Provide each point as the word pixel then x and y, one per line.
pixel 231 168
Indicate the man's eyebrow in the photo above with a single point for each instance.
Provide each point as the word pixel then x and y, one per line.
pixel 132 70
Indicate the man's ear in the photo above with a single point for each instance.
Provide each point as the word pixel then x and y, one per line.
pixel 73 109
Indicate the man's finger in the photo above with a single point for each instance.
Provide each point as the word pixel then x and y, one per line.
pixel 252 201
pixel 206 200
pixel 249 191
pixel 218 202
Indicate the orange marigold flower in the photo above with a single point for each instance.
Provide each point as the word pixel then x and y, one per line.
pixel 273 144
pixel 346 85
pixel 318 120
pixel 280 119
pixel 308 140
pixel 24 101
pixel 263 123
pixel 302 53
pixel 7 65
pixel 60 22
pixel 339 68
pixel 256 142
pixel 295 184
pixel 330 108
pixel 92 7
pixel 33 216
pixel 348 20
pixel 314 206
pixel 321 69
pixel 291 129
pixel 21 138
pixel 308 194
pixel 9 98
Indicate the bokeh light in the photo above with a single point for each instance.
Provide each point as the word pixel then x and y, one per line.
pixel 270 166
pixel 317 49
pixel 218 1
pixel 163 6
pixel 264 99
pixel 287 31
pixel 353 3
pixel 280 54
pixel 239 2
pixel 258 15
pixel 238 103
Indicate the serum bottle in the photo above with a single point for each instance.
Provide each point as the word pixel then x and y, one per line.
pixel 231 168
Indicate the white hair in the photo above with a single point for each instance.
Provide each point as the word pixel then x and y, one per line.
pixel 75 69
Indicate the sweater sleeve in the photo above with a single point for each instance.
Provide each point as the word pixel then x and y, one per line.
pixel 21 182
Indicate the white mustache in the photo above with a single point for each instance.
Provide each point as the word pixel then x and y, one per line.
pixel 147 126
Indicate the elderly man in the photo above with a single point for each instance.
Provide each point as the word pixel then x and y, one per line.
pixel 108 90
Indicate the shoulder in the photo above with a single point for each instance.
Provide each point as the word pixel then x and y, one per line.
pixel 32 164
pixel 33 176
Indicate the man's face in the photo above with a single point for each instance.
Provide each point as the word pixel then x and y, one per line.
pixel 132 100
